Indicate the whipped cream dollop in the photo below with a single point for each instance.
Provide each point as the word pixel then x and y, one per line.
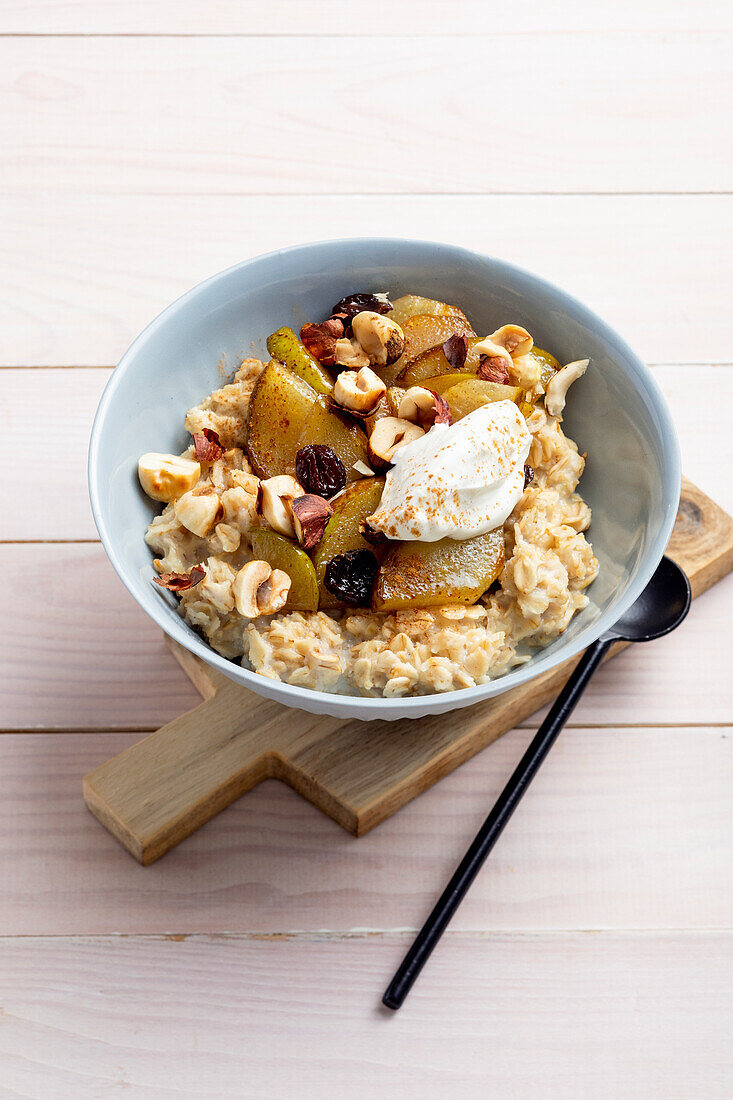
pixel 458 480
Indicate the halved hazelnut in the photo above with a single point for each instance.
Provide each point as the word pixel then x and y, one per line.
pixel 311 513
pixel 199 510
pixel 390 433
pixel 350 355
pixel 493 368
pixel 166 477
pixel 424 407
pixel 382 339
pixel 260 590
pixel 320 341
pixel 359 391
pixel 274 502
pixel 515 339
pixel 560 383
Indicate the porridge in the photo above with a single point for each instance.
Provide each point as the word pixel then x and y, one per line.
pixel 387 507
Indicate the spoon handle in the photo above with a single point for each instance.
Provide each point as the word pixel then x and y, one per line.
pixel 492 827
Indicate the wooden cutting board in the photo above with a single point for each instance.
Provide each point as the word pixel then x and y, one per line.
pixel 159 791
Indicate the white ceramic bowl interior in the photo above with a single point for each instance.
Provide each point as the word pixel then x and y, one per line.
pixel 616 414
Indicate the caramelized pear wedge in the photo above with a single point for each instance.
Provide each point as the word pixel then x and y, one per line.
pixel 433 362
pixel 282 553
pixel 422 333
pixel 548 364
pixel 423 574
pixel 472 393
pixel 285 346
pixel 342 530
pixel 411 304
pixel 285 413
pixel 278 409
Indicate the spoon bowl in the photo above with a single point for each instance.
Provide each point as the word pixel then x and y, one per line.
pixel 660 608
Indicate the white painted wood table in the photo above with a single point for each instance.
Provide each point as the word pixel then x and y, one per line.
pixel 145 146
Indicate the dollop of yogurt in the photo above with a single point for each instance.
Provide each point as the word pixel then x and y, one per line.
pixel 458 480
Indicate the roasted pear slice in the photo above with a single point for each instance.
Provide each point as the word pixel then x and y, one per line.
pixel 423 574
pixel 472 393
pixel 281 553
pixel 410 305
pixel 342 530
pixel 422 333
pixel 285 413
pixel 285 346
pixel 431 363
pixel 548 364
pixel 278 410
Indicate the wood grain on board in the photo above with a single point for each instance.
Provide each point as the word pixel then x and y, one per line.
pixel 616 820
pixel 82 274
pixel 158 792
pixel 225 115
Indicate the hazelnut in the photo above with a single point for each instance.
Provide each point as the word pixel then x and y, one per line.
pixel 424 407
pixel 260 590
pixel 359 391
pixel 513 338
pixel 350 354
pixel 382 339
pixel 274 501
pixel 560 383
pixel 311 513
pixel 493 368
pixel 320 341
pixel 487 347
pixel 199 510
pixel 167 477
pixel 390 433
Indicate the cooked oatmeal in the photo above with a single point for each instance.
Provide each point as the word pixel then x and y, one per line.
pixel 219 520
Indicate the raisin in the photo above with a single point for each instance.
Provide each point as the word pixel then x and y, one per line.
pixel 320 470
pixel 528 476
pixel 351 576
pixel 352 304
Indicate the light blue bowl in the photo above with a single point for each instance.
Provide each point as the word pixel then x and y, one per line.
pixel 617 415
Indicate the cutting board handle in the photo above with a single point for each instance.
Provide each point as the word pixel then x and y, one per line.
pixel 165 787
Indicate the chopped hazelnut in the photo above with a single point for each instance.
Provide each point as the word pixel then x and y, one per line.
pixel 199 510
pixel 350 354
pixel 515 339
pixel 390 433
pixel 166 477
pixel 560 383
pixel 359 391
pixel 311 513
pixel 260 590
pixel 423 407
pixel 276 495
pixel 382 339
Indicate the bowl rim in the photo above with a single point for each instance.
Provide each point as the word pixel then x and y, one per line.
pixel 370 706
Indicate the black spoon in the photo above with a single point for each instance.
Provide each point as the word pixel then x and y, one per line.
pixel 660 608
